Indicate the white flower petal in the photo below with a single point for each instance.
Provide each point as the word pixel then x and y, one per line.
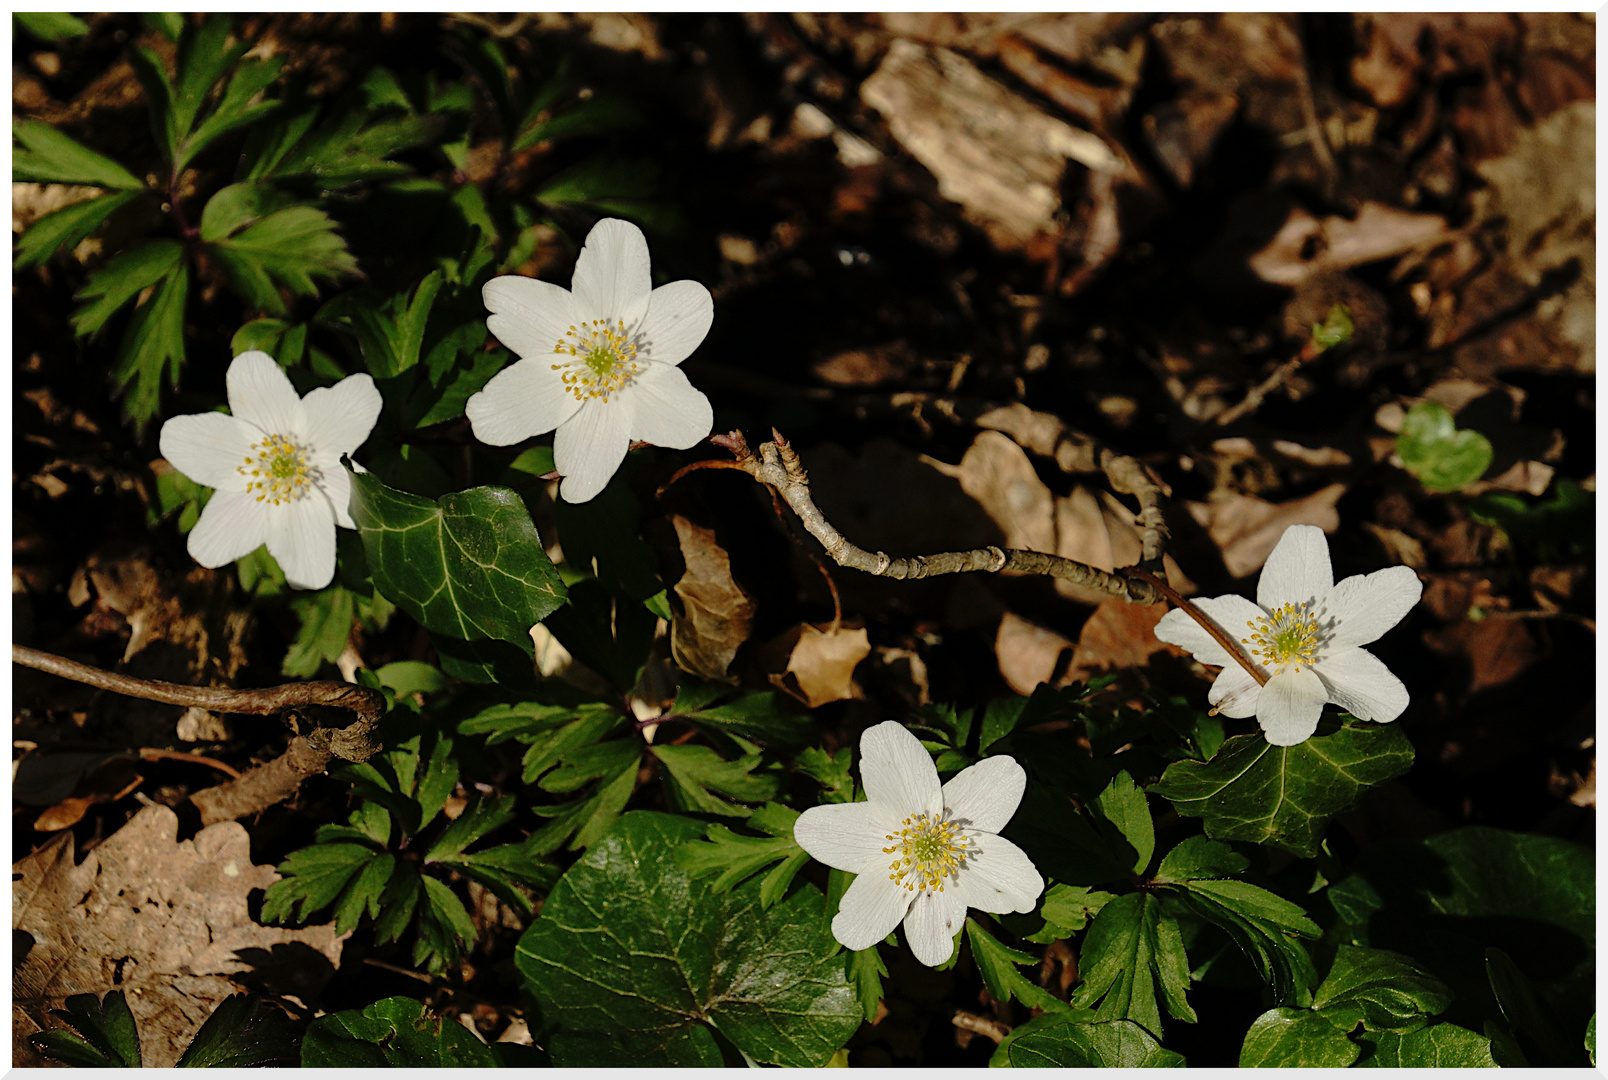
pixel 1234 693
pixel 931 926
pixel 667 410
pixel 260 394
pixel 232 526
pixel 527 315
pixel 336 484
pixel 1290 705
pixel 848 836
pixel 1231 613
pixel 985 795
pixel 897 771
pixel 590 445
pixel 612 279
pixel 523 399
pixel 1364 606
pixel 872 906
pixel 209 448
pixel 340 417
pixel 678 319
pixel 1361 684
pixel 301 538
pixel 997 876
pixel 1297 570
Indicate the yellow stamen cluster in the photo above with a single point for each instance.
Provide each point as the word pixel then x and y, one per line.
pixel 604 359
pixel 277 470
pixel 1289 635
pixel 926 850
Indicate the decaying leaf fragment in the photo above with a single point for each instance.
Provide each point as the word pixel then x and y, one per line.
pixel 816 663
pixel 164 921
pixel 715 614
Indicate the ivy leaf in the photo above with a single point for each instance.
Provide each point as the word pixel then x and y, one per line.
pixel 1438 1046
pixel 735 858
pixel 1133 950
pixel 106 1034
pixel 469 564
pixel 1383 991
pixel 997 964
pixel 67 226
pixel 1069 1040
pixel 1285 795
pixel 697 775
pixel 243 1032
pixel 395 1033
pixel 48 156
pixel 1296 1038
pixel 1440 456
pixel 633 962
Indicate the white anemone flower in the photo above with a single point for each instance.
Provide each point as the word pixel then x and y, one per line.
pixel 276 465
pixel 597 363
pixel 923 853
pixel 1306 633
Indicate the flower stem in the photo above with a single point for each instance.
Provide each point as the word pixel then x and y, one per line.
pixel 1206 624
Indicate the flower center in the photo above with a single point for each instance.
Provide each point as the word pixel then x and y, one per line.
pixel 926 850
pixel 277 470
pixel 1289 635
pixel 604 359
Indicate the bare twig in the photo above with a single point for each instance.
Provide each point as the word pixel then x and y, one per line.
pixel 267 784
pixel 152 753
pixel 980 1025
pixel 778 467
pixel 1217 632
pixel 1259 393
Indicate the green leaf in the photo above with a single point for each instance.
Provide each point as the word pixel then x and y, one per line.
pixel 1438 1046
pixel 633 962
pixel 698 775
pixel 445 928
pixel 997 964
pixel 769 717
pixel 52 26
pixel 831 771
pixel 395 1033
pixel 122 279
pixel 596 115
pixel 67 226
pixel 236 108
pixel 1123 804
pixel 1296 1038
pixel 107 1036
pixel 312 878
pixel 1440 456
pixel 152 350
pixel 469 564
pixel 284 341
pixel 485 814
pixel 866 972
pixel 1068 1041
pixel 1133 950
pixel 390 332
pixel 326 625
pixel 170 24
pixel 590 818
pixel 1383 991
pixel 1335 329
pixel 1197 858
pixel 285 249
pixel 48 156
pixel 243 1032
pixel 351 145
pixel 1066 910
pixel 1559 528
pixel 735 858
pixel 1285 795
pixel 404 678
pixel 590 725
pixel 1265 927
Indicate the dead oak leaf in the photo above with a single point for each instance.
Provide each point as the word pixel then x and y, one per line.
pixel 162 920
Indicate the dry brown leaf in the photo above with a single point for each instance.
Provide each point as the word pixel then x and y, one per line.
pixel 997 473
pixel 816 664
pixel 865 367
pixel 1118 636
pixel 714 616
pixel 1305 246
pixel 1247 528
pixel 1495 649
pixel 1028 654
pixel 161 920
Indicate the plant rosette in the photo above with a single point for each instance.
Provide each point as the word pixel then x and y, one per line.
pixel 1306 633
pixel 923 853
pixel 598 363
pixel 274 461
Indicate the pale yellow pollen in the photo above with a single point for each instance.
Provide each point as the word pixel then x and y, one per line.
pixel 1288 635
pixel 925 851
pixel 604 359
pixel 277 471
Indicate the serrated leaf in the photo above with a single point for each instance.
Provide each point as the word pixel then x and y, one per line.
pixel 866 972
pixel 351 145
pixel 735 858
pixel 48 156
pixel 312 878
pixel 599 114
pixel 326 625
pixel 1132 951
pixel 590 818
pixel 1285 795
pixel 398 903
pixel 235 109
pixel 1066 1040
pixel 67 226
pixel 831 771
pixel 1440 456
pixel 445 929
pixel 1197 858
pixel 769 717
pixel 1123 804
pixel 107 1035
pixel 997 965
pixel 679 955
pixel 482 816
pixel 469 564
pixel 243 1032
pixel 152 350
pixel 285 249
pixel 586 729
pixel 1066 910
pixel 1383 991
pixel 122 279
pixel 1296 1038
pixel 1265 927
pixel 396 1033
pixel 1438 1046
pixel 698 776
pixel 389 332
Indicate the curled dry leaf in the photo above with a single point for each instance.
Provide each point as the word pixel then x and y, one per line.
pixel 1246 528
pixel 165 921
pixel 816 663
pixel 714 616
